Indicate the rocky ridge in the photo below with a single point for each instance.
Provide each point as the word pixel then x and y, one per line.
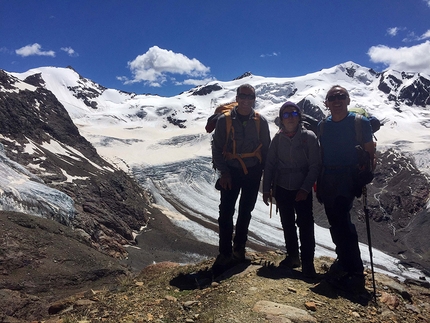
pixel 255 292
pixel 110 206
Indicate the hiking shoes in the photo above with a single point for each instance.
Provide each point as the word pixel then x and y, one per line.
pixel 290 262
pixel 222 260
pixel 239 254
pixel 336 269
pixel 351 282
pixel 308 270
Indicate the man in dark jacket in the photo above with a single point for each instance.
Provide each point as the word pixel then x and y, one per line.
pixel 240 159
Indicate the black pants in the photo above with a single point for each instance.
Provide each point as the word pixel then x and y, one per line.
pixel 344 234
pixel 288 208
pixel 247 186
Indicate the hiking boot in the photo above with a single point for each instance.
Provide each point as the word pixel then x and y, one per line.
pixel 239 253
pixel 351 282
pixel 222 260
pixel 336 269
pixel 290 262
pixel 222 263
pixel 308 269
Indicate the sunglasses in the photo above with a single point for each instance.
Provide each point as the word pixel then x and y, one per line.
pixel 286 115
pixel 244 96
pixel 339 96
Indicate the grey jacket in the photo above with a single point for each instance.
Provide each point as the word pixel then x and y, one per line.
pixel 247 141
pixel 293 163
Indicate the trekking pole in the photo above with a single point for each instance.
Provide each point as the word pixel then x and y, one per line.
pixel 366 214
pixel 271 203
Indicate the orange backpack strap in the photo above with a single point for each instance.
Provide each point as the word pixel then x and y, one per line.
pixel 234 155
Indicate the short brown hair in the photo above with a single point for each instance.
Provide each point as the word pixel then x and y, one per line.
pixel 248 86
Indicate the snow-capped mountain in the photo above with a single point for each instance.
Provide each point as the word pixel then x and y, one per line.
pixel 162 143
pixel 146 122
pixel 61 176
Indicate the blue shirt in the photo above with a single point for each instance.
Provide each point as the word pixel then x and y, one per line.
pixel 338 141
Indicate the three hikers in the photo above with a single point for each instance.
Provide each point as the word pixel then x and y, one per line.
pixel 292 164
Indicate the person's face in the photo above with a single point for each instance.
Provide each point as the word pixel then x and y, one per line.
pixel 245 100
pixel 337 101
pixel 290 119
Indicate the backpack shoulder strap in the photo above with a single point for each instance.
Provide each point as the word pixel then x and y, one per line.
pixel 257 119
pixel 358 128
pixel 228 124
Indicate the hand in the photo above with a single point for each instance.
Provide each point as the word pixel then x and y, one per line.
pixel 267 197
pixel 301 195
pixel 225 181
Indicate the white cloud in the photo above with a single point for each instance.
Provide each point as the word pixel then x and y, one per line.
pixel 157 65
pixel 34 49
pixel 394 30
pixel 411 37
pixel 408 59
pixel 70 51
pixel 428 2
pixel 426 35
pixel 270 55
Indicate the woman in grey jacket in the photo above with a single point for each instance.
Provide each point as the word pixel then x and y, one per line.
pixel 292 167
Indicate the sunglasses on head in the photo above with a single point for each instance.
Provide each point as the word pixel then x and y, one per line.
pixel 286 115
pixel 339 96
pixel 244 96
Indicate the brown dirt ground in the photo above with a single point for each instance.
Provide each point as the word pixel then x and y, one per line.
pixel 48 273
pixel 168 292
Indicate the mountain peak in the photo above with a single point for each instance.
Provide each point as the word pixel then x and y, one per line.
pixel 244 75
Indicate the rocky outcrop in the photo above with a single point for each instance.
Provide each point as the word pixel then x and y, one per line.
pixel 110 205
pixel 204 90
pixel 408 88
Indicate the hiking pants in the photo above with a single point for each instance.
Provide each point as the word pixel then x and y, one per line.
pixel 288 208
pixel 344 234
pixel 247 186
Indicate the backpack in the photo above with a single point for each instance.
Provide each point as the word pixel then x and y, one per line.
pixel 211 124
pixel 219 110
pixel 374 122
pixel 310 123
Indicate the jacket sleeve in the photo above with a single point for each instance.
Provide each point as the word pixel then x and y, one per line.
pixel 218 142
pixel 314 162
pixel 270 165
pixel 264 138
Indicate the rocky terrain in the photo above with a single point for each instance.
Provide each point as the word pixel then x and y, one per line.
pixel 110 206
pixel 50 275
pixel 258 292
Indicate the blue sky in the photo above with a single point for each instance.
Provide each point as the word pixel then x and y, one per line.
pixel 168 46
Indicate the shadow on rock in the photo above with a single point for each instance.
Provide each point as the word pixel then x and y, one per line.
pixel 324 288
pixel 270 270
pixel 205 277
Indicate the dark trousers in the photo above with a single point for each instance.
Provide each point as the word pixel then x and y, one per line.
pixel 344 234
pixel 288 209
pixel 247 186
